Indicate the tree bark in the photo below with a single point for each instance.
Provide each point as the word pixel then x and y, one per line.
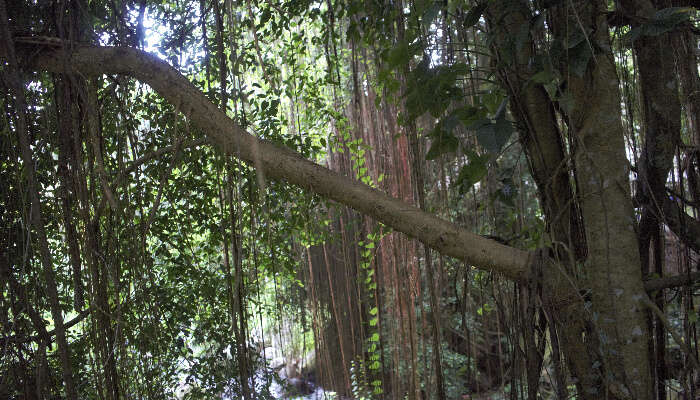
pixel 273 159
pixel 661 115
pixel 539 130
pixel 614 276
pixel 542 140
pixel 612 268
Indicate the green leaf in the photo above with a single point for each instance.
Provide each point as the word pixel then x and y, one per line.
pixel 468 115
pixel 673 13
pixel 373 311
pixel 667 19
pixel 443 141
pixel 633 34
pixel 399 55
pixel 543 77
pixel 374 338
pixel 265 16
pixel 472 172
pixel 492 101
pixel 504 130
pixel 493 135
pixel 664 20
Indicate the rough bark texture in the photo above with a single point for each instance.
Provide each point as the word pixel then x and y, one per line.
pixel 612 267
pixel 541 138
pixel 686 48
pixel 661 114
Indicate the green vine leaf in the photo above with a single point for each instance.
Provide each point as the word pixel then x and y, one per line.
pixel 472 172
pixel 493 135
pixel 443 140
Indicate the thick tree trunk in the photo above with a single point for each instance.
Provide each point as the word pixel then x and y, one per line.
pixel 595 128
pixel 612 268
pixel 686 48
pixel 539 130
pixel 662 135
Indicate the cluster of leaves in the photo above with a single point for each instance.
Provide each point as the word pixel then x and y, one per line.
pixel 368 266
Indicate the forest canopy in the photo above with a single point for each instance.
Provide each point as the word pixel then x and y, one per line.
pixel 349 199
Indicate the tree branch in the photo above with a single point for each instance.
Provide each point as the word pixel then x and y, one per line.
pixel 683 225
pixel 671 281
pixel 45 335
pixel 676 337
pixel 272 159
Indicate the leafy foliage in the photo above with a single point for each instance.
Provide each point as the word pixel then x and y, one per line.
pixel 177 267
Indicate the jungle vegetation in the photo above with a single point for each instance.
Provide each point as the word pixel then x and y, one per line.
pixel 457 199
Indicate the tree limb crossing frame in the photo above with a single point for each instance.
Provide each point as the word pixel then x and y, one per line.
pixel 55 55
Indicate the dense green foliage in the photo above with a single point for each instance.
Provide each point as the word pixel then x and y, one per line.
pixel 180 270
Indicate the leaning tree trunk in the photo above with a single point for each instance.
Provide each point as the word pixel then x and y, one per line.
pixel 612 274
